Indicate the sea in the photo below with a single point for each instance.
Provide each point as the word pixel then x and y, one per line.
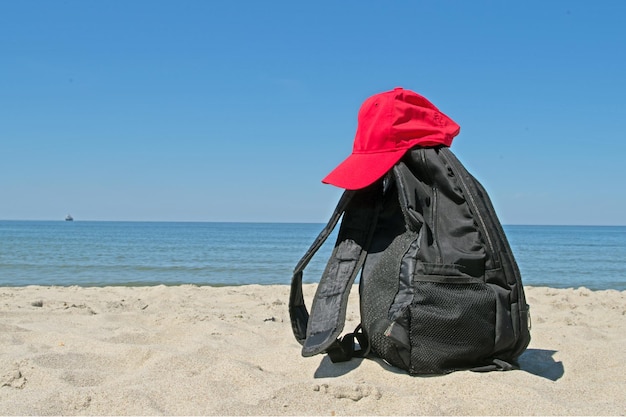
pixel 90 253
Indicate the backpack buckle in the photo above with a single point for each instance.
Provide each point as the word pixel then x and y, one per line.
pixel 343 349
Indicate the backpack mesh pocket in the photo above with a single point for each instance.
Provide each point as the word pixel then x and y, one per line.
pixel 452 326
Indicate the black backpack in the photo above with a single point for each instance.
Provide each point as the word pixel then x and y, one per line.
pixel 440 290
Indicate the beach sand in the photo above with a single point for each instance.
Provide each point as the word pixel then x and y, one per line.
pixel 190 350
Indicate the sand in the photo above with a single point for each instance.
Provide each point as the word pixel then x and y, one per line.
pixel 190 350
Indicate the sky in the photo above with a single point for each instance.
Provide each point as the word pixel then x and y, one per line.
pixel 235 110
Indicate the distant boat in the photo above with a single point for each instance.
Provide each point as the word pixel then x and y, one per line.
pixel 69 218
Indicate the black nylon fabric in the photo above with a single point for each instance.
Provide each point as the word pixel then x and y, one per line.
pixel 328 311
pixel 440 289
pixel 451 243
pixel 457 287
pixel 298 312
pixel 506 274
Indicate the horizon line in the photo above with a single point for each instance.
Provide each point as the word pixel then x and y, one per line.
pixel 273 222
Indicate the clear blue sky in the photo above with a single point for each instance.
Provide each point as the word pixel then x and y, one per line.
pixel 235 110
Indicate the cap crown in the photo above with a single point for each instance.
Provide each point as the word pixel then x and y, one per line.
pixel 389 124
pixel 401 119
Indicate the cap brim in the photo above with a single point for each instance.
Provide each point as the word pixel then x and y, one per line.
pixel 362 169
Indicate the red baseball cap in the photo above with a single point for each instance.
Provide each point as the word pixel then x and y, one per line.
pixel 389 124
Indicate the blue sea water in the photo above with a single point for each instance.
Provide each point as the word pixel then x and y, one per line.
pixel 145 253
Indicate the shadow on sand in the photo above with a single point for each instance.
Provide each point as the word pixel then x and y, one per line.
pixel 328 369
pixel 534 361
pixel 541 363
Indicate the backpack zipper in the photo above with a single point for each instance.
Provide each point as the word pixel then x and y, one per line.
pixel 473 205
pixel 433 209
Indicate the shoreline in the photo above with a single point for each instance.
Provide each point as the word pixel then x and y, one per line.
pixel 228 350
pixel 234 285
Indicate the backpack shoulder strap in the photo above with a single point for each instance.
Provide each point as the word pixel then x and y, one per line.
pixel 319 331
pixel 298 312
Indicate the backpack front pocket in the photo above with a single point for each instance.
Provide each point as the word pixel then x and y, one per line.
pixel 452 326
